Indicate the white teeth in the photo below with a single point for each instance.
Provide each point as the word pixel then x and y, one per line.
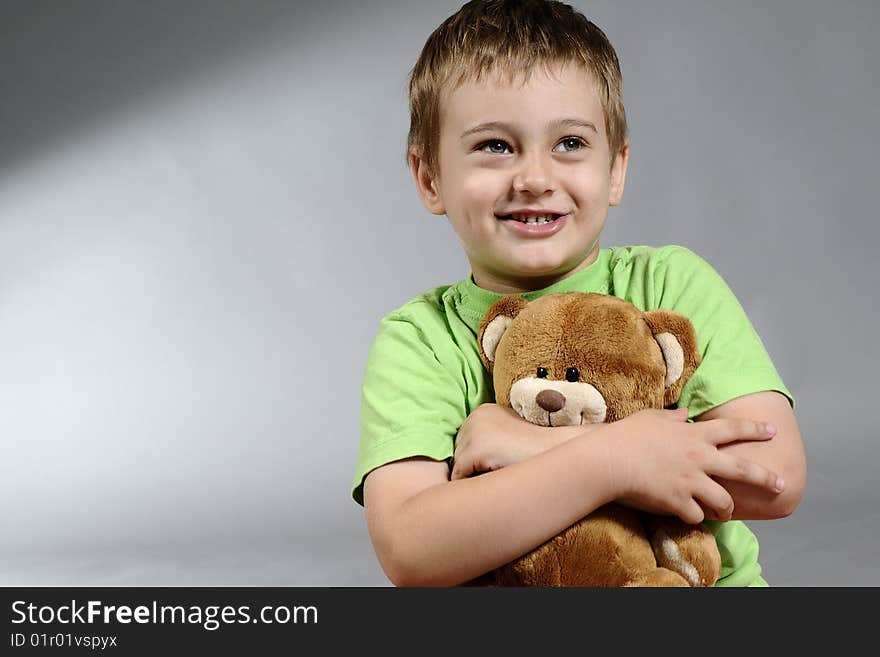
pixel 527 219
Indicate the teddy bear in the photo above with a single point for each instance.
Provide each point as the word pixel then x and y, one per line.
pixel 574 358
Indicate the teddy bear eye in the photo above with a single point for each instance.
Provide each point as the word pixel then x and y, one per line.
pixel 542 372
pixel 572 374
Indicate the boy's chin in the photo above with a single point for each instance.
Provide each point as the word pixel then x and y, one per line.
pixel 537 275
pixel 539 270
pixel 542 267
pixel 549 262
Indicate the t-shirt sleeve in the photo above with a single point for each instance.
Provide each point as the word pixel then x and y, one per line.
pixel 734 359
pixel 411 404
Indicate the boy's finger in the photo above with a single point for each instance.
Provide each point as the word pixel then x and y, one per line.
pixel 714 498
pixel 692 513
pixel 454 473
pixel 728 430
pixel 739 469
pixel 460 472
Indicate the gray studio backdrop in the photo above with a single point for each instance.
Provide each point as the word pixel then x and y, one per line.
pixel 204 212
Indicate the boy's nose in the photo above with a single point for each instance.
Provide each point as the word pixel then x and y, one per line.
pixel 533 177
pixel 550 400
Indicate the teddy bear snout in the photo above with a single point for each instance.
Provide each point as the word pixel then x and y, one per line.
pixel 550 400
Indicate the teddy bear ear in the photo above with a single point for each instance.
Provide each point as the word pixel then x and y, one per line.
pixel 678 342
pixel 495 323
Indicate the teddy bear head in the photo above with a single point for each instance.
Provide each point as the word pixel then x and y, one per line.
pixel 575 358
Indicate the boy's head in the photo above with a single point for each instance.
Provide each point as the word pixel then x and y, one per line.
pixel 511 38
pixel 549 82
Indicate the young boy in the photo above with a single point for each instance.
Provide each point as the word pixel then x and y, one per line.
pixel 519 136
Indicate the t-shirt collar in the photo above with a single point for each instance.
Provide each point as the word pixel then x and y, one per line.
pixel 472 301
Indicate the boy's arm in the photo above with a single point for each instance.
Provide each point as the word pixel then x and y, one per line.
pixel 783 455
pixel 493 437
pixel 427 530
pixel 734 364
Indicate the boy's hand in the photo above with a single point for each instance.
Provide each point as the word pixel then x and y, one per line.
pixel 663 465
pixel 494 436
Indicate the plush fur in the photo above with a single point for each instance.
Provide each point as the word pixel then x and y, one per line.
pixel 601 359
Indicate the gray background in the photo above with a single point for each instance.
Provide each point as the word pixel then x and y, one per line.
pixel 204 212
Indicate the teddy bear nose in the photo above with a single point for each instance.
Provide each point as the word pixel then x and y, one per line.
pixel 550 400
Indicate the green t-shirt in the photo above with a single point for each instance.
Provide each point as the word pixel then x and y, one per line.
pixel 424 375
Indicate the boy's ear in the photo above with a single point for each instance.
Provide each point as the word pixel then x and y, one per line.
pixel 426 182
pixel 495 323
pixel 618 176
pixel 678 342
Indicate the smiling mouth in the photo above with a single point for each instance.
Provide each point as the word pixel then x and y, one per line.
pixel 534 221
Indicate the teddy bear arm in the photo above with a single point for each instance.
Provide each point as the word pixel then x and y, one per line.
pixel 689 550
pixel 607 548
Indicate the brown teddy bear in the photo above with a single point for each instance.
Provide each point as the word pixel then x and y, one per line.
pixel 576 357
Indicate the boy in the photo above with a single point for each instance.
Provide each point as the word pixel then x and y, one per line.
pixel 519 136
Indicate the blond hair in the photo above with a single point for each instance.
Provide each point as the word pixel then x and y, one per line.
pixel 509 37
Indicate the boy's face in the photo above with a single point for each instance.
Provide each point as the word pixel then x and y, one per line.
pixel 528 161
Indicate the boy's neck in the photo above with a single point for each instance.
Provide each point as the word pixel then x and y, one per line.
pixel 510 285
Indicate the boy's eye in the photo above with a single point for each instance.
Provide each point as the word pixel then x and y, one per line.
pixel 542 372
pixel 573 144
pixel 494 142
pixel 576 142
pixel 572 375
